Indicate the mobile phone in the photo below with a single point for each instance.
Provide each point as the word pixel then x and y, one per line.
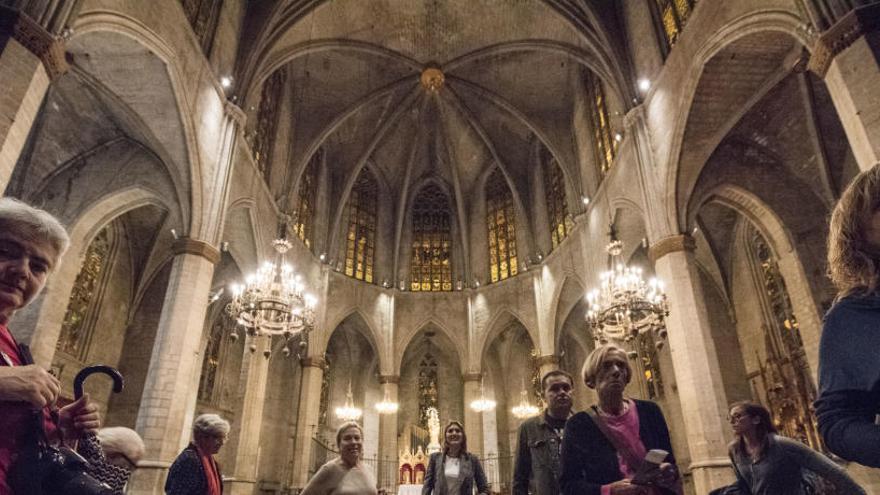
pixel 650 468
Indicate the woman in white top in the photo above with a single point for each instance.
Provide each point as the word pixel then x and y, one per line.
pixel 345 475
pixel 454 471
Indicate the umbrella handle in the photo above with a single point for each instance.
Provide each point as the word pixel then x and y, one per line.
pixel 113 373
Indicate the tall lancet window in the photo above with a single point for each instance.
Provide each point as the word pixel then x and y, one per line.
pixel 360 237
pixel 267 121
pixel 431 264
pixel 304 223
pixel 672 16
pixel 783 377
pixel 214 349
pixel 501 225
pixel 203 16
pixel 561 222
pixel 427 386
pixel 604 144
pixel 79 320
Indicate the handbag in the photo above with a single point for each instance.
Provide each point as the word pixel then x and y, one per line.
pixel 43 469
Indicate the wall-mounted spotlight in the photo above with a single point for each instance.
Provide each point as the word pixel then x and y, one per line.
pixel 174 234
pixel 644 84
pixel 226 82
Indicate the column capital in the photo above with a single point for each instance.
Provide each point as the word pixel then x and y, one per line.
pixel 548 359
pixel 186 245
pixel 472 377
pixel 633 116
pixel 671 244
pixel 855 24
pixel 31 35
pixel 235 113
pixel 313 362
pixel 389 379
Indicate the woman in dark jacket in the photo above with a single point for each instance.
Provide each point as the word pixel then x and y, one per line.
pixel 454 471
pixel 603 448
pixel 195 472
pixel 849 364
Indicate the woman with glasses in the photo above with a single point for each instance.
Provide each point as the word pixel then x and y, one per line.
pixel 768 464
pixel 195 472
pixel 454 470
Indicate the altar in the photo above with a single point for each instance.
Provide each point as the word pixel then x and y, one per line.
pixel 409 490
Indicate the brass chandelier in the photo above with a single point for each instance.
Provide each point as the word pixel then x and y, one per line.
pixel 624 306
pixel 273 302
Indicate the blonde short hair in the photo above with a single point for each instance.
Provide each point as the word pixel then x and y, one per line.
pixel 345 426
pixel 122 440
pixel 210 425
pixel 594 362
pixel 34 224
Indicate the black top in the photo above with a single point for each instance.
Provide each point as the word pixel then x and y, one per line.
pixel 590 461
pixel 187 475
pixel 849 379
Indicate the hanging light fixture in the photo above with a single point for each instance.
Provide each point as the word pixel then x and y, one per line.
pixel 387 406
pixel 273 302
pixel 624 306
pixel 348 411
pixel 483 404
pixel 524 409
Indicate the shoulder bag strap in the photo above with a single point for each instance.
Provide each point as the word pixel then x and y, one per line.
pixel 628 455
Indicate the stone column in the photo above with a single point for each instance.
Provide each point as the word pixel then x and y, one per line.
pixel 308 414
pixel 165 416
pixel 847 55
pixel 473 420
pixel 547 363
pixel 31 58
pixel 246 437
pixel 386 471
pixel 697 374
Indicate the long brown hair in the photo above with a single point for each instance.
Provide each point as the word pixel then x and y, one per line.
pixel 853 263
pixel 764 427
pixel 463 437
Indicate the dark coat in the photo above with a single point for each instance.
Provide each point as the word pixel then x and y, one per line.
pixel 537 458
pixel 187 475
pixel 589 460
pixel 471 473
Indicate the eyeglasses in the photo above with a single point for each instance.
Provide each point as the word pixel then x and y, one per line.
pixel 735 417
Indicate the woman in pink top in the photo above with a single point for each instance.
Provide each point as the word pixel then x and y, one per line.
pixel 604 447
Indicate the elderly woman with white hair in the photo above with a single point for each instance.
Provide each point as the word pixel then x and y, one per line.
pixel 195 472
pixel 31 243
pixel 604 448
pixel 113 455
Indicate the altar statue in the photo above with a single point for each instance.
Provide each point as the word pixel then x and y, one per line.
pixel 433 430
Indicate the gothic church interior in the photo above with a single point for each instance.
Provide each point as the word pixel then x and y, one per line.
pixel 448 174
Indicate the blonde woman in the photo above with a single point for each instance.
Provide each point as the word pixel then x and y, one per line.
pixel 849 351
pixel 345 475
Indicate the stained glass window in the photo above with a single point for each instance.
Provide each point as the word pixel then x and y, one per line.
pixel 305 203
pixel 501 226
pixel 211 363
pixel 784 374
pixel 77 325
pixel 203 16
pixel 604 144
pixel 673 16
pixel 431 264
pixel 561 222
pixel 267 121
pixel 361 235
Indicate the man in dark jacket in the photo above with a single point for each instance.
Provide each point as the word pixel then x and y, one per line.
pixel 540 439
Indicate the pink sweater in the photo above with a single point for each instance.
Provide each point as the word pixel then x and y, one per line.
pixel 626 428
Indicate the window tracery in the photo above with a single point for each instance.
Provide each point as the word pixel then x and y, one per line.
pixel 267 121
pixel 361 234
pixel 211 362
pixel 427 387
pixel 783 374
pixel 203 16
pixel 305 203
pixel 501 227
pixel 561 222
pixel 604 144
pixel 672 17
pixel 431 263
pixel 78 323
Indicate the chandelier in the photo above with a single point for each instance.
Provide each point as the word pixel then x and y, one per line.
pixel 387 406
pixel 273 302
pixel 524 409
pixel 483 404
pixel 624 306
pixel 348 411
